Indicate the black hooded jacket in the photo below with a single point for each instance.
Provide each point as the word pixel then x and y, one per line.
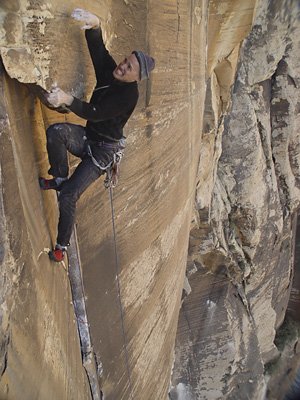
pixel 112 101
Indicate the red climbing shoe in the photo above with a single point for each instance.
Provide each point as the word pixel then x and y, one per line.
pixel 58 253
pixel 55 183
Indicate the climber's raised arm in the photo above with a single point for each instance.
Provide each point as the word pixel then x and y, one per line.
pixel 103 62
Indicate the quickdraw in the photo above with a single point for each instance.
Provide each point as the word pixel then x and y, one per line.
pixel 112 169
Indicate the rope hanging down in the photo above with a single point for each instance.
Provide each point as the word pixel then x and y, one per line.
pixel 110 186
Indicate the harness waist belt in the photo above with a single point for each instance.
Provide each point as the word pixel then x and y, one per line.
pixel 103 136
pixel 120 144
pixel 106 145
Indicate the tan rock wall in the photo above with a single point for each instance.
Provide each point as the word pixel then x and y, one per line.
pixel 244 95
pixel 154 199
pixel 153 205
pixel 40 354
pixel 241 246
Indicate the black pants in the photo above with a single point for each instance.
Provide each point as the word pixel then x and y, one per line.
pixel 62 138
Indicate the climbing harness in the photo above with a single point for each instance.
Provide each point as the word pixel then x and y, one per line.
pixel 110 187
pixel 112 168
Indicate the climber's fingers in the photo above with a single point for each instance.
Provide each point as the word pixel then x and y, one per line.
pixel 90 20
pixel 56 97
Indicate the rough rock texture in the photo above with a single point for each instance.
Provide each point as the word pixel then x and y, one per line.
pixel 153 205
pixel 283 371
pixel 241 246
pixel 244 95
pixel 154 199
pixel 40 353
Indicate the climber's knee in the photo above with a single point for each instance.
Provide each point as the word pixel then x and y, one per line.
pixel 54 132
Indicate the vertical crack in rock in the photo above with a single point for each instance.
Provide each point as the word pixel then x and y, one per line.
pixel 10 269
pixel 5 282
pixel 241 244
pixel 178 22
pixel 37 328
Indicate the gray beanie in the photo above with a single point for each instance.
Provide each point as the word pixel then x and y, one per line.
pixel 146 62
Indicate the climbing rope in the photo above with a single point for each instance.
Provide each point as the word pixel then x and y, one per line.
pixel 119 290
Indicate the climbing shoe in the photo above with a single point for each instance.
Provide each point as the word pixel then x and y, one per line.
pixel 55 183
pixel 58 253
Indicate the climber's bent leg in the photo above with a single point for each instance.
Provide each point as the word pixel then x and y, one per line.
pixel 84 175
pixel 60 139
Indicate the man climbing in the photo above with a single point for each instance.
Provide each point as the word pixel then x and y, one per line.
pixel 100 141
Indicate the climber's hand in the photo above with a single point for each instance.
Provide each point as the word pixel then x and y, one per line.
pixel 57 97
pixel 90 20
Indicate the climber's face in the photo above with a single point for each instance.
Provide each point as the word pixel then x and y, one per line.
pixel 128 70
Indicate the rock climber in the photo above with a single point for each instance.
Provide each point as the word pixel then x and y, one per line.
pixel 97 144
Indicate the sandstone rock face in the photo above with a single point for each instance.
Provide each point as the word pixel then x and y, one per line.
pixel 241 246
pixel 40 351
pixel 214 140
pixel 154 199
pixel 153 205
